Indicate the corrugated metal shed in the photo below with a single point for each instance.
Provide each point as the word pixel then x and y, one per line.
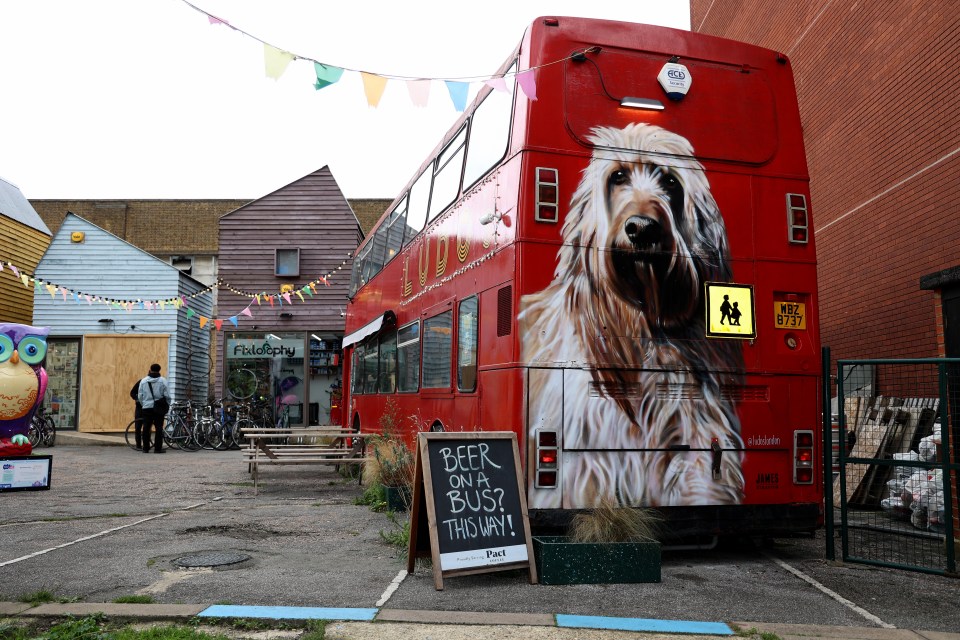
pixel 23 239
pixel 106 266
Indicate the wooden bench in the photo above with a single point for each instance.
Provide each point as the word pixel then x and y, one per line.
pixel 302 445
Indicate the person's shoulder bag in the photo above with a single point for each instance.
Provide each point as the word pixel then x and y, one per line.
pixel 160 405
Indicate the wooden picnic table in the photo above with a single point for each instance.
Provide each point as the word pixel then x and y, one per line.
pixel 324 445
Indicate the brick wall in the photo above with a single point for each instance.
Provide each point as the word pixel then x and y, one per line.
pixel 877 84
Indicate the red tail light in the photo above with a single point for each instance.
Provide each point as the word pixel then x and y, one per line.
pixel 547 459
pixel 548 196
pixel 803 457
pixel 797 220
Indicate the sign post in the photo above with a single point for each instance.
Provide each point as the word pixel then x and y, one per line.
pixel 468 496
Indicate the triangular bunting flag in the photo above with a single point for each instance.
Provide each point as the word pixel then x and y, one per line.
pixel 458 93
pixel 498 84
pixel 218 324
pixel 286 297
pixel 258 299
pixel 52 290
pixel 309 289
pixel 270 299
pixel 528 84
pixel 215 20
pixel 326 75
pixel 191 313
pixel 203 321
pixel 234 321
pixel 373 86
pixel 419 91
pixel 14 269
pixel 63 292
pixel 275 61
pixel 246 312
pixel 26 280
pixel 300 294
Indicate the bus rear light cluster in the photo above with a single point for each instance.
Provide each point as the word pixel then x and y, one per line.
pixel 797 219
pixel 803 457
pixel 548 195
pixel 548 462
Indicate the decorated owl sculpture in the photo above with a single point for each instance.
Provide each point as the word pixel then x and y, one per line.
pixel 22 384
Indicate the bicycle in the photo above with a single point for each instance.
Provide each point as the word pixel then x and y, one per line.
pixel 43 430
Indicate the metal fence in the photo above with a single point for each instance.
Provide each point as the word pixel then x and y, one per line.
pixel 887 458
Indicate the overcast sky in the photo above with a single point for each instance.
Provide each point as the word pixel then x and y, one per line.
pixel 146 99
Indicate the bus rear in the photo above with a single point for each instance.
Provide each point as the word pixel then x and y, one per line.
pixel 665 280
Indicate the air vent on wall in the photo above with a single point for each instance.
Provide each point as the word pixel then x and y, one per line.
pixel 504 311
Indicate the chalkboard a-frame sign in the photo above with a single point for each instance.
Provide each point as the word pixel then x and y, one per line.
pixel 468 497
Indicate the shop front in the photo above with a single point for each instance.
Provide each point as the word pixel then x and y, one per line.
pixel 295 373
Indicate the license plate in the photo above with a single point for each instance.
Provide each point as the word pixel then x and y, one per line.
pixel 790 315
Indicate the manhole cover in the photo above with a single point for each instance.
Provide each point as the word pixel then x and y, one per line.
pixel 214 559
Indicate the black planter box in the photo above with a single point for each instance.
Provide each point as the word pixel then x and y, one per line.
pixel 560 561
pixel 397 498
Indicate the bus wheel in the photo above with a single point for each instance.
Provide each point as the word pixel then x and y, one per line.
pixel 436 427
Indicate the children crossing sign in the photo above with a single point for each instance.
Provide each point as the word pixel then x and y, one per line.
pixel 730 311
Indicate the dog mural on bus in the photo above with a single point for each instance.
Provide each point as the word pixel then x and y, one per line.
pixel 642 236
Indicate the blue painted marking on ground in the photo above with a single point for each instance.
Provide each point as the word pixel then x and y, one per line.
pixel 287 613
pixel 643 624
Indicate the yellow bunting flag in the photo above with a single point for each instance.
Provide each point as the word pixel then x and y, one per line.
pixel 373 86
pixel 203 322
pixel 52 290
pixel 275 61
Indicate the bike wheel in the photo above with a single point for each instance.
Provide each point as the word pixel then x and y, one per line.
pixel 131 434
pixel 34 434
pixel 242 384
pixel 50 435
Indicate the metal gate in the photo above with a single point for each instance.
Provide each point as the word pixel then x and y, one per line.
pixel 890 456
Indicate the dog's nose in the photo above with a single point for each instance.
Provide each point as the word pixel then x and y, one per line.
pixel 643 231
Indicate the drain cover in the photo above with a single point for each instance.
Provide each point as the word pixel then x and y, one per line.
pixel 213 559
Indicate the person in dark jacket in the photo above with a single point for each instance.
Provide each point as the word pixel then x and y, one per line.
pixel 138 413
pixel 152 388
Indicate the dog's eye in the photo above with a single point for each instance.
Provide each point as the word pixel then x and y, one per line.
pixel 618 177
pixel 670 182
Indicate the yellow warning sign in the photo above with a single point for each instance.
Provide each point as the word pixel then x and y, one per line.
pixel 730 311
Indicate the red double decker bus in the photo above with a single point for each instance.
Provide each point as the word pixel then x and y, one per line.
pixel 610 255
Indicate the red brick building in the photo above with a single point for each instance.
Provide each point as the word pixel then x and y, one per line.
pixel 879 91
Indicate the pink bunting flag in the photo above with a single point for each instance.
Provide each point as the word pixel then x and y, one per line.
pixel 89 299
pixel 15 271
pixel 373 86
pixel 286 297
pixel 246 312
pixel 64 292
pixel 419 91
pixel 528 84
pixel 215 20
pixel 498 84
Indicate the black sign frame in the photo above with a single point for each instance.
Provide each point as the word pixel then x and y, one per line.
pixel 481 455
pixel 47 460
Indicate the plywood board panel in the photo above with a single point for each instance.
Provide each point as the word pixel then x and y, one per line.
pixel 111 364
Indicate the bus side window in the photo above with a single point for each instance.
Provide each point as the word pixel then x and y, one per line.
pixel 417 206
pixel 356 370
pixel 489 132
pixel 408 358
pixel 388 362
pixel 437 349
pixel 370 356
pixel 467 318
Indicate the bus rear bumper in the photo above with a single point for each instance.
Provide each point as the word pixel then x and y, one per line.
pixel 681 523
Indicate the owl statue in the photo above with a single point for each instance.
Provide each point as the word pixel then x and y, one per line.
pixel 22 384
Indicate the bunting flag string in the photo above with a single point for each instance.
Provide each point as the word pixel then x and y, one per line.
pixel 276 61
pixel 177 302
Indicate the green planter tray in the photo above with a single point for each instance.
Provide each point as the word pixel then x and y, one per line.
pixel 560 561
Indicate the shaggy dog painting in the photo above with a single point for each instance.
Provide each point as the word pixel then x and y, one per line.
pixel 623 322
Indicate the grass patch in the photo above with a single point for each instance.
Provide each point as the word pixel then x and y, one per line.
pixel 135 599
pixel 43 596
pixel 373 497
pixel 399 536
pixel 314 630
pixel 612 523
